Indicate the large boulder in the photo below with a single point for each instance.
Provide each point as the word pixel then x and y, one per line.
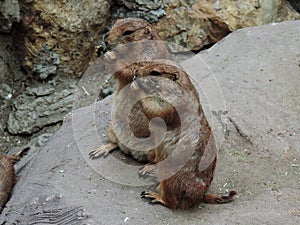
pixel 249 86
pixel 192 24
pixel 238 14
pixel 197 23
pixel 59 37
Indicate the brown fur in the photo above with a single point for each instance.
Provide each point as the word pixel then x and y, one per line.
pixel 7 178
pixel 128 30
pixel 187 186
pixel 122 55
pixel 132 40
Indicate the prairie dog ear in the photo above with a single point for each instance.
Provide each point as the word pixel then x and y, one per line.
pixel 148 29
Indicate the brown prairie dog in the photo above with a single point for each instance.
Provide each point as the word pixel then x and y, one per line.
pixel 143 95
pixel 128 30
pixel 145 109
pixel 132 40
pixel 189 184
pixel 7 178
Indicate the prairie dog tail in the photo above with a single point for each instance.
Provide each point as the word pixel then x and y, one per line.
pixel 219 198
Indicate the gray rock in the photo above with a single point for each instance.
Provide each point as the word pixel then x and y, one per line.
pixel 141 4
pixel 44 211
pixel 40 106
pixel 3 68
pixel 295 4
pixel 149 10
pixel 196 24
pixel 9 77
pixel 47 64
pixel 32 148
pixel 60 36
pixel 9 13
pixel 5 91
pixel 251 81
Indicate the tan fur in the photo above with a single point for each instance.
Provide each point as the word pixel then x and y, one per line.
pixel 7 178
pixel 122 55
pixel 187 186
pixel 128 30
pixel 131 40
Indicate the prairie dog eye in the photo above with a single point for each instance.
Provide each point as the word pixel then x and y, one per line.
pixel 155 73
pixel 148 30
pixel 128 32
pixel 174 77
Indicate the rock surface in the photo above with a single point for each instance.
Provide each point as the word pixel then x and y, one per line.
pixel 9 13
pixel 295 4
pixel 238 14
pixel 194 24
pixel 59 37
pixel 41 106
pixel 149 10
pixel 13 83
pixel 256 70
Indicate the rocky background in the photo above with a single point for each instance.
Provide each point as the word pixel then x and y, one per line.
pixel 46 46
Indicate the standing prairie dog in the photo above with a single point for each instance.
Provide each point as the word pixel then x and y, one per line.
pixel 188 185
pixel 131 40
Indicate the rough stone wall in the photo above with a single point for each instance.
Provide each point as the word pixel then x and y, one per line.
pixel 239 14
pixel 9 13
pixel 196 23
pixel 295 4
pixel 192 24
pixel 59 37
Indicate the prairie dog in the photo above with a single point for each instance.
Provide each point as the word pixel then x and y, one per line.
pixel 8 178
pixel 132 40
pixel 189 184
